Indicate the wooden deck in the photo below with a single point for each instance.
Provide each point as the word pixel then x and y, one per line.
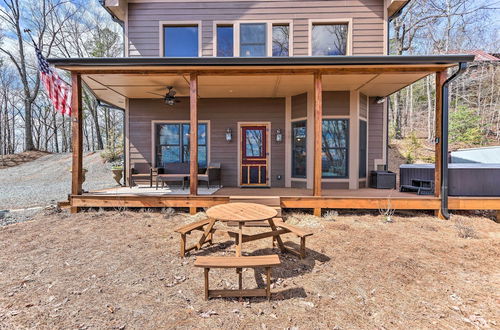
pixel 362 199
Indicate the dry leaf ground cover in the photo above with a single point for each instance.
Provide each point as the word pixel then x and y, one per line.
pixel 122 270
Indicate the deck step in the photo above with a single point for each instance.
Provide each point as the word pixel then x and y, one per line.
pixel 271 201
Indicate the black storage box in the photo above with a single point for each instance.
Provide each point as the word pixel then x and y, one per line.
pixel 382 180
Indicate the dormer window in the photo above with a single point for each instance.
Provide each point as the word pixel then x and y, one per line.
pixel 281 40
pixel 329 39
pixel 253 41
pixel 180 41
pixel 225 41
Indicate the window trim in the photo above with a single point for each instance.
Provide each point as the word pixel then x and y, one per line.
pixel 292 146
pixel 361 119
pixel 347 21
pixel 215 40
pixel 236 35
pixel 163 24
pixel 154 133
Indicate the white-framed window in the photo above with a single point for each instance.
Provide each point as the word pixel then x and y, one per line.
pixel 180 39
pixel 281 39
pixel 252 38
pixel 330 37
pixel 224 40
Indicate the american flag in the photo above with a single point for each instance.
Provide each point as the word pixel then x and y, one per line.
pixel 59 92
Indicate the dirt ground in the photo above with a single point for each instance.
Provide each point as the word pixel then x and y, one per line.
pixel 20 158
pixel 122 270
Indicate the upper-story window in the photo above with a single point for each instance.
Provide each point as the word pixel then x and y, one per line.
pixel 281 40
pixel 253 40
pixel 225 41
pixel 329 39
pixel 180 41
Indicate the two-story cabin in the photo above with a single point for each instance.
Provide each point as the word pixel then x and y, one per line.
pixel 286 95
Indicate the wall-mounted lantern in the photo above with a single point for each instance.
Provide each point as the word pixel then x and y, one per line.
pixel 279 135
pixel 229 135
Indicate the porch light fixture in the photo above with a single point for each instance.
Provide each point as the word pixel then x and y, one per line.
pixel 279 136
pixel 229 135
pixel 379 99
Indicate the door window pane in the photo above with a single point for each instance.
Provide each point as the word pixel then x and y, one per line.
pixel 252 39
pixel 335 138
pixel 281 40
pixel 254 143
pixel 225 41
pixel 329 39
pixel 180 41
pixel 299 155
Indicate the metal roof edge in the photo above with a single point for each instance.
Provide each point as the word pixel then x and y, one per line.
pixel 263 61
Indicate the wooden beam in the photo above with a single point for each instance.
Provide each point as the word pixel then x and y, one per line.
pixel 440 79
pixel 89 200
pixel 77 137
pixel 318 115
pixel 193 135
pixel 144 71
pixel 373 203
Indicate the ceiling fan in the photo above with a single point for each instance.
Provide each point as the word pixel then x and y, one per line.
pixel 169 97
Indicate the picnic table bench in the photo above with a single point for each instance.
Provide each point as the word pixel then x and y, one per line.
pixel 238 263
pixel 205 225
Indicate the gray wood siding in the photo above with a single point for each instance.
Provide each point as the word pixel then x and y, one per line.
pixel 336 103
pixel 367 17
pixel 375 132
pixel 363 105
pixel 299 106
pixel 223 114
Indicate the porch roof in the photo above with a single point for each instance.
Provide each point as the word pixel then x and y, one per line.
pixel 115 79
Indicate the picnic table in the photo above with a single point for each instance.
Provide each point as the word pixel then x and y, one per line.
pixel 243 213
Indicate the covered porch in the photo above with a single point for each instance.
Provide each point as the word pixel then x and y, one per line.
pixel 202 84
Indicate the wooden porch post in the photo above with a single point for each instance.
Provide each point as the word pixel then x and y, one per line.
pixel 193 136
pixel 76 137
pixel 318 115
pixel 440 79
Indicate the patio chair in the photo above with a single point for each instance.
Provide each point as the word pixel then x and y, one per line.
pixel 212 174
pixel 141 172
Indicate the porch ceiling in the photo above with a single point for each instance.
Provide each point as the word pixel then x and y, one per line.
pixel 115 80
pixel 114 88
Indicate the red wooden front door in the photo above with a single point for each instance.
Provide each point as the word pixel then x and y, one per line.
pixel 254 156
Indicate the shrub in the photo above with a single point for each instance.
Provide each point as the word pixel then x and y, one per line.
pixel 112 155
pixel 465 126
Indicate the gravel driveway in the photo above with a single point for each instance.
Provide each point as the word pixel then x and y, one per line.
pixel 47 180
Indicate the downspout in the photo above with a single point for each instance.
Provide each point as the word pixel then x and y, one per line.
pixel 444 143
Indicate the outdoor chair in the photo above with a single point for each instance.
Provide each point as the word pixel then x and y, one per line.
pixel 141 172
pixel 212 174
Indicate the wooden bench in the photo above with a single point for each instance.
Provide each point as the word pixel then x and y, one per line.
pixel 206 226
pixel 299 232
pixel 238 263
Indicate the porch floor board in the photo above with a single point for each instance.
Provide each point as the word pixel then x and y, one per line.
pixel 298 192
pixel 366 198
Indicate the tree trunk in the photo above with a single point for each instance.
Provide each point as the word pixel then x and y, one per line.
pixel 430 108
pixel 28 130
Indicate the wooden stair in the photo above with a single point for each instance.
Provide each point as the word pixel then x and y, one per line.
pixel 271 201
